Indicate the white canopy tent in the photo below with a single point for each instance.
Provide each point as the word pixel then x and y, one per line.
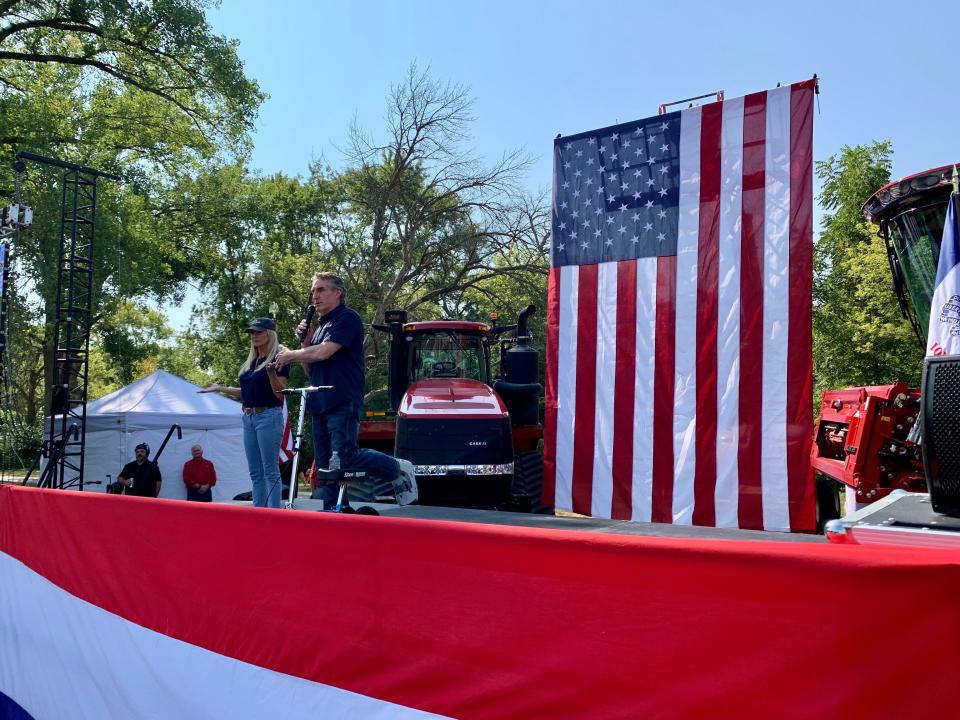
pixel 144 411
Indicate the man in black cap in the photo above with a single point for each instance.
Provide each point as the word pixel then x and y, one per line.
pixel 140 477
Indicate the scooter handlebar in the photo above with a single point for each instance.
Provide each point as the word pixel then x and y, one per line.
pixel 307 390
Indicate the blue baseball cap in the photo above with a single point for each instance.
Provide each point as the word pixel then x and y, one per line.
pixel 261 324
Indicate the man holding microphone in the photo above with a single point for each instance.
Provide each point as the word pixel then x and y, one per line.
pixel 333 355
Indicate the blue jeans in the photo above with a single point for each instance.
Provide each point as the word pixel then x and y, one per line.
pixel 337 429
pixel 262 433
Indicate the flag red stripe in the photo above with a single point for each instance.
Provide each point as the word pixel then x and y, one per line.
pixel 550 399
pixel 800 337
pixel 705 471
pixel 663 390
pixel 586 394
pixel 750 501
pixel 622 460
pixel 286 442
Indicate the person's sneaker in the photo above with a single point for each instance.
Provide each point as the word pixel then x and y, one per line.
pixel 405 484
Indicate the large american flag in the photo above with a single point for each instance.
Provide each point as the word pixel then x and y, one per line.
pixel 679 341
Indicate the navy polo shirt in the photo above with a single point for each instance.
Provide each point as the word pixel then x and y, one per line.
pixel 343 369
pixel 255 389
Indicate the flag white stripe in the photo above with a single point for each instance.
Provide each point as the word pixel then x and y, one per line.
pixel 643 388
pixel 727 490
pixel 601 503
pixel 685 363
pixel 776 299
pixel 566 383
pixel 940 338
pixel 109 667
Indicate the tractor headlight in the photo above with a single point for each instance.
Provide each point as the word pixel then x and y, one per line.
pixel 494 469
pixel 486 469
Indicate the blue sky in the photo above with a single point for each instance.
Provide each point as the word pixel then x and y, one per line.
pixel 536 69
pixel 888 70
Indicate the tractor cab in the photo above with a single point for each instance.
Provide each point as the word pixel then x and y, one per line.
pixel 911 214
pixel 448 349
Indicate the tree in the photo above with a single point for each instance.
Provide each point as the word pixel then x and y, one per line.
pixel 260 238
pixel 860 338
pixel 131 335
pixel 414 222
pixel 163 48
pixel 422 219
pixel 144 90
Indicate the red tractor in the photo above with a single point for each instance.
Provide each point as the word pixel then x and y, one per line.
pixel 868 437
pixel 473 439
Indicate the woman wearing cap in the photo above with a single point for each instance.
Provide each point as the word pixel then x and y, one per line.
pixel 260 386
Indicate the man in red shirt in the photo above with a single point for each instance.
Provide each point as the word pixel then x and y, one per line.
pixel 199 476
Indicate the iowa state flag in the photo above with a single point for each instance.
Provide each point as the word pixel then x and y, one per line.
pixel 679 347
pixel 943 336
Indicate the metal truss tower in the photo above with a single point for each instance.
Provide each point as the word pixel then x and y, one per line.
pixel 71 327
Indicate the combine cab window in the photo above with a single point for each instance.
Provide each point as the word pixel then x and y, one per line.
pixel 448 354
pixel 915 235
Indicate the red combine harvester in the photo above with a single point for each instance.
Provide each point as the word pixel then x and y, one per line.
pixel 868 437
pixel 473 439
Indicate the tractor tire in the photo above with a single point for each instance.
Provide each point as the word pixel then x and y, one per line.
pixel 528 483
pixel 369 490
pixel 828 501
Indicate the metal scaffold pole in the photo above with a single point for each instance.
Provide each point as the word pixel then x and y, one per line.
pixel 14 217
pixel 72 323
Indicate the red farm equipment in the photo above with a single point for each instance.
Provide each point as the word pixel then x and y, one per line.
pixel 868 438
pixel 474 439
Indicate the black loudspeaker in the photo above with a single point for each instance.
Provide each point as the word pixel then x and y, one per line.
pixel 941 432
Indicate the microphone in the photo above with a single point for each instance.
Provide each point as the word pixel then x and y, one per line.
pixel 308 316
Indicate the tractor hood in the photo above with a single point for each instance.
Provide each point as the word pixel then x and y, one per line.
pixel 451 397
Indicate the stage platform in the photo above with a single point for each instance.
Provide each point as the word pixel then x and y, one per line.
pixel 570 522
pixel 902 518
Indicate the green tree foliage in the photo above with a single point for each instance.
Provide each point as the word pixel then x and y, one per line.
pixel 414 222
pixel 144 90
pixel 860 338
pixel 509 293
pixel 130 336
pixel 262 239
pixel 421 219
pixel 159 48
